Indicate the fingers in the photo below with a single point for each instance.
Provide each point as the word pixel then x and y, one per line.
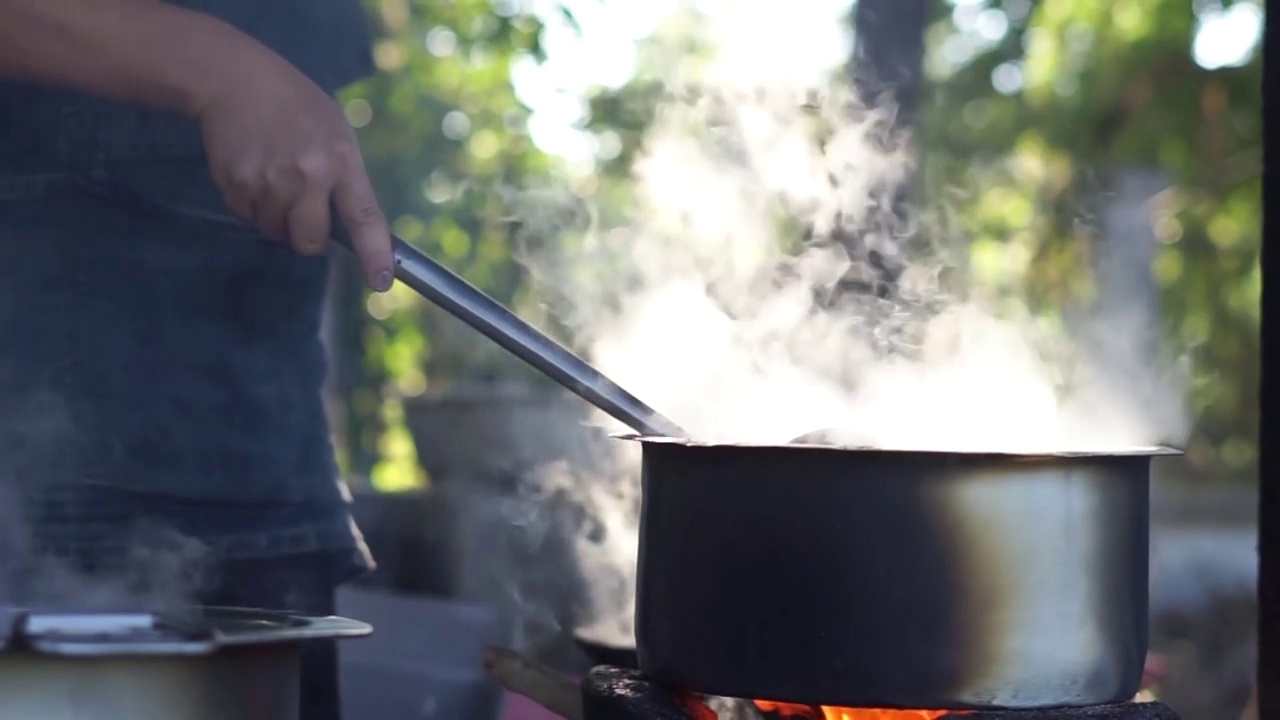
pixel 290 195
pixel 263 200
pixel 288 204
pixel 308 223
pixel 272 217
pixel 359 212
pixel 239 190
pixel 296 208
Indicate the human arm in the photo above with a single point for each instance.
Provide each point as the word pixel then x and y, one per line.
pixel 279 147
pixel 144 52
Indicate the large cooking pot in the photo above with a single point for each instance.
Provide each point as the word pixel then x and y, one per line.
pixel 874 578
pixel 818 574
pixel 208 664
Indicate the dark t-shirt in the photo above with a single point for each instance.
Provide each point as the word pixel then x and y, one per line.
pixel 160 363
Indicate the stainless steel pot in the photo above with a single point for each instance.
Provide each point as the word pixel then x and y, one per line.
pixel 823 575
pixel 212 664
pixel 882 579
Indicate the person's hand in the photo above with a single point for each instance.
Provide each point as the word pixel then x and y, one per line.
pixel 282 153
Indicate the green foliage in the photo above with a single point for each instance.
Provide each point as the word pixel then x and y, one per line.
pixel 1110 85
pixel 442 134
pixel 1105 86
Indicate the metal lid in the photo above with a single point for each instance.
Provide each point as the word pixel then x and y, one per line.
pixel 198 631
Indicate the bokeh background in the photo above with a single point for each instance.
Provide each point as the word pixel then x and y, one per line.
pixel 1085 148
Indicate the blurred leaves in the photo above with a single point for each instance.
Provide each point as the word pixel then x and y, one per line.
pixel 443 135
pixel 1031 113
pixel 1106 86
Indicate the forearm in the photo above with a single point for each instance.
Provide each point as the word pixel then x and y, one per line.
pixel 137 51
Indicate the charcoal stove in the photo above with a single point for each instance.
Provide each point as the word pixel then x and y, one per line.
pixel 613 693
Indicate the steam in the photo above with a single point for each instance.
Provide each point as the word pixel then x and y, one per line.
pixel 48 558
pixel 765 284
pixel 158 570
pixel 700 305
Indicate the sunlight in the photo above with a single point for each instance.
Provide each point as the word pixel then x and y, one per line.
pixel 1227 37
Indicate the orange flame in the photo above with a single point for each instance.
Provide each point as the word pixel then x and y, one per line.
pixel 826 712
pixel 695 708
pixel 698 710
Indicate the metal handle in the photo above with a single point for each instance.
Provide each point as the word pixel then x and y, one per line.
pixel 469 304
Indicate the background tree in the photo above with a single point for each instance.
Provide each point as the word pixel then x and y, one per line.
pixel 1037 107
pixel 442 134
pixel 1029 113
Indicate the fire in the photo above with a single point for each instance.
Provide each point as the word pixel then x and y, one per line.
pixel 826 712
pixel 697 709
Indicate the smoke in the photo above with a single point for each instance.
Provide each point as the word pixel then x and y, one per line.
pixel 700 304
pixel 767 282
pixel 526 543
pixel 159 571
pixel 59 551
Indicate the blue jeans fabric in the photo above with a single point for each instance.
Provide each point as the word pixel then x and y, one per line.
pixel 160 367
pixel 159 359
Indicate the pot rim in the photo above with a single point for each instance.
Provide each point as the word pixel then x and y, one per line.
pixel 593 636
pixel 1148 451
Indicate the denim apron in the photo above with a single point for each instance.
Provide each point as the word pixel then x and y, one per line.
pixel 160 364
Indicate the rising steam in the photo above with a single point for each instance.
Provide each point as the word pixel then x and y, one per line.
pixel 759 195
pixel 49 557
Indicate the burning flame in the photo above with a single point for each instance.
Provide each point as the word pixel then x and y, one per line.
pixel 694 706
pixel 826 712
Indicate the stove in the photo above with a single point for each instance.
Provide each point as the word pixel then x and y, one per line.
pixel 612 693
